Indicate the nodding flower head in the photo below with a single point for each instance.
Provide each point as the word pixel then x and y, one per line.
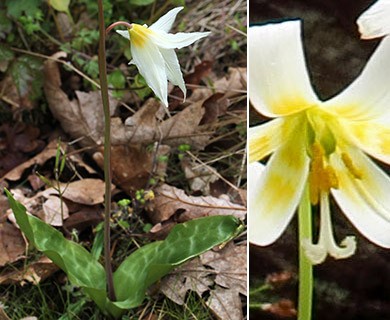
pixel 323 145
pixel 152 49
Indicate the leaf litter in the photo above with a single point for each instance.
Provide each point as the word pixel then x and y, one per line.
pixel 140 139
pixel 221 274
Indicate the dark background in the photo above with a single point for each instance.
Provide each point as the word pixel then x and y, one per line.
pixel 359 287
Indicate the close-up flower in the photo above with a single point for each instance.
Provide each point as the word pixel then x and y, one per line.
pixel 152 49
pixel 375 21
pixel 324 146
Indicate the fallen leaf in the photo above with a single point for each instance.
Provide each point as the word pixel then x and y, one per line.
pixel 132 165
pixel 54 213
pixel 222 274
pixel 82 118
pixel 86 191
pixel 215 106
pixel 225 304
pixel 12 245
pixel 33 273
pixel 84 217
pixel 191 276
pixel 3 315
pixel 199 177
pixel 17 143
pixel 234 84
pixel 170 200
pixel 145 128
pixel 39 159
pixel 230 266
pixel 194 78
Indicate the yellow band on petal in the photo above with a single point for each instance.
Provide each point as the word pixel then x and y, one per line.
pixel 139 35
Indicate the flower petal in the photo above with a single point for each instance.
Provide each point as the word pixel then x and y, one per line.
pixel 267 137
pixel 375 22
pixel 370 136
pixel 368 97
pixel 151 66
pixel 172 66
pixel 364 200
pixel 279 83
pixel 177 40
pixel 166 21
pixel 275 195
pixel 124 33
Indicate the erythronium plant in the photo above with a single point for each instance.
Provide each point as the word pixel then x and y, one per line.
pixel 375 21
pixel 316 148
pixel 152 49
pixel 115 292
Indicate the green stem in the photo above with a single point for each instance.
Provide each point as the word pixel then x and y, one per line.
pixel 305 266
pixel 107 151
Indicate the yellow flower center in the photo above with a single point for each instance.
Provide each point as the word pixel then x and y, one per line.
pixel 322 177
pixel 139 35
pixel 322 143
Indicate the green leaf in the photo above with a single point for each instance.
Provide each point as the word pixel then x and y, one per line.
pixel 16 7
pixel 116 80
pixel 6 55
pixel 80 266
pixel 141 2
pixel 60 5
pixel 5 24
pixel 141 269
pixel 27 74
pixel 151 262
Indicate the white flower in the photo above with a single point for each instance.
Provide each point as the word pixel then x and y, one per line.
pixel 375 21
pixel 322 144
pixel 152 49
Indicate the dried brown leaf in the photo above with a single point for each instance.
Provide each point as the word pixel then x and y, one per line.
pixel 12 245
pixel 81 118
pixel 191 276
pixel 3 315
pixel 51 212
pixel 170 200
pixel 221 273
pixel 33 273
pixel 86 191
pixel 234 84
pixel 225 304
pixel 132 165
pixel 84 217
pixel 39 159
pixel 230 266
pixel 199 177
pixel 144 127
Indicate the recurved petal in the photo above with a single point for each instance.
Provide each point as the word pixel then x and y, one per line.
pixel 375 21
pixel 177 40
pixel 174 73
pixel 363 195
pixel 124 33
pixel 151 66
pixel 166 21
pixel 368 97
pixel 279 83
pixel 371 136
pixel 275 195
pixel 266 138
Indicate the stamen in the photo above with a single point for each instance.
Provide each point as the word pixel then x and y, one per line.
pixel 322 177
pixel 350 166
pixel 317 253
